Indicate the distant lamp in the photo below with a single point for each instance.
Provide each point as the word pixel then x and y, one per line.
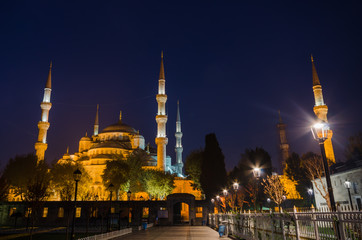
pixel 235 186
pixel 212 200
pixel 225 192
pixel 348 185
pixel 310 191
pixel 77 174
pixel 284 197
pixel 268 200
pixel 256 172
pixel 320 131
pixel 217 197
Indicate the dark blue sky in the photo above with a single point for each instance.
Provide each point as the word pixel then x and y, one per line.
pixel 232 65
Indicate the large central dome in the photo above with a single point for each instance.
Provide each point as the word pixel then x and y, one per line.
pixel 119 127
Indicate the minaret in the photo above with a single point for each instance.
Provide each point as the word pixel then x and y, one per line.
pixel 43 125
pixel 283 143
pixel 320 109
pixel 178 148
pixel 161 119
pixel 96 123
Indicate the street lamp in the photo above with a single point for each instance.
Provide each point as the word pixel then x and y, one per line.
pixel 235 187
pixel 320 133
pixel 348 185
pixel 77 174
pixel 257 173
pixel 225 192
pixel 310 193
pixel 110 187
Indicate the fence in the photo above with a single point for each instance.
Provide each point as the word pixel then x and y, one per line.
pixel 292 225
pixel 108 235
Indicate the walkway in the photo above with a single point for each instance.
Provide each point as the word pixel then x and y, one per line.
pixel 174 233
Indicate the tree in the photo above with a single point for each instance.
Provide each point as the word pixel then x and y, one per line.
pixel 63 184
pixel 4 189
pixel 250 159
pixel 193 167
pixel 116 172
pixel 314 167
pixel 19 172
pixel 295 170
pixel 213 172
pixel 354 147
pixel 274 188
pixel 135 161
pixel 158 184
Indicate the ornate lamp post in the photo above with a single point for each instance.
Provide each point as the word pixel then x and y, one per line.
pixel 110 187
pixel 348 185
pixel 256 173
pixel 225 193
pixel 235 187
pixel 310 193
pixel 320 133
pixel 77 174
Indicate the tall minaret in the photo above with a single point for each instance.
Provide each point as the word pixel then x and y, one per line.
pixel 161 119
pixel 283 143
pixel 320 109
pixel 178 148
pixel 96 123
pixel 43 125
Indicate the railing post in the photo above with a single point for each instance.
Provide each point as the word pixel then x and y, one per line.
pixel 340 223
pixel 315 223
pixel 296 223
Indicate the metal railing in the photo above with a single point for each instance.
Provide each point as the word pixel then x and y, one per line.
pixel 292 225
pixel 108 235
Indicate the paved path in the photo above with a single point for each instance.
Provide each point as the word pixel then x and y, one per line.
pixel 174 233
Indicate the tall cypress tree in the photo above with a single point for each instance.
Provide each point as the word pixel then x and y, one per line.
pixel 213 175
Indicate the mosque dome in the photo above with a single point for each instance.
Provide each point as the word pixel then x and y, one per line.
pixel 119 127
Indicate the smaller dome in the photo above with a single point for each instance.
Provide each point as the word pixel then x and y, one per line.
pixel 86 139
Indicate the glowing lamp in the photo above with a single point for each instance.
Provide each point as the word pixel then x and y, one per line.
pixel 256 172
pixel 236 186
pixel 225 192
pixel 320 131
pixel 310 191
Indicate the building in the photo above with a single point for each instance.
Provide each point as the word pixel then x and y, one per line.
pixel 341 174
pixel 120 139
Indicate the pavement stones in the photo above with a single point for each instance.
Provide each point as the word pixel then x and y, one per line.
pixel 174 233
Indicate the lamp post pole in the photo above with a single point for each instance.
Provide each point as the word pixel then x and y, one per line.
pixel 256 172
pixel 77 175
pixel 348 184
pixel 129 207
pixel 320 133
pixel 236 187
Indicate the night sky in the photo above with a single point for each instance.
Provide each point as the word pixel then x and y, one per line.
pixel 232 65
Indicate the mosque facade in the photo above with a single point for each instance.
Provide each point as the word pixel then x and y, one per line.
pixel 120 140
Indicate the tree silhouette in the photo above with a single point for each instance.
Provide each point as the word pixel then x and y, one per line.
pixel 213 173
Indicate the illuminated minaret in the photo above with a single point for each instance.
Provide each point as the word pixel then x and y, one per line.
pixel 161 119
pixel 96 123
pixel 283 143
pixel 320 109
pixel 43 125
pixel 178 148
